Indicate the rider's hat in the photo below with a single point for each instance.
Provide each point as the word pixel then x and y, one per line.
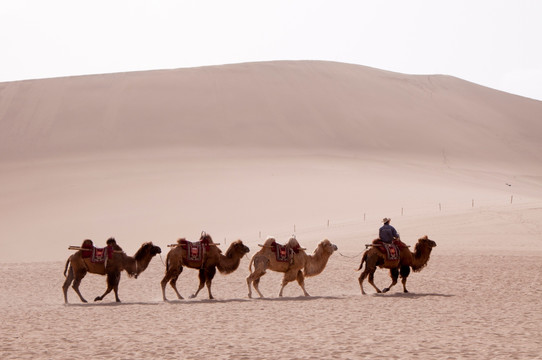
pixel 386 220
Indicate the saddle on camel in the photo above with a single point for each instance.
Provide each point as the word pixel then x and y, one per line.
pixel 196 252
pixel 98 255
pixel 391 251
pixel 284 253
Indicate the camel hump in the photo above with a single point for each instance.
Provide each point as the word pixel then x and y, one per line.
pixel 181 241
pixel 293 243
pixel 269 241
pixel 87 244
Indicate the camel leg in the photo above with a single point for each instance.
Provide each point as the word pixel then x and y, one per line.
pixel 371 281
pixel 260 265
pixel 256 284
pixel 163 284
pixel 405 271
pixel 394 274
pixel 66 285
pixel 173 283
pixel 301 282
pixel 112 284
pixel 202 278
pixel 360 280
pixel 77 281
pixel 288 277
pixel 249 286
pixel 172 277
pixel 254 279
pixel 116 287
pixel 210 275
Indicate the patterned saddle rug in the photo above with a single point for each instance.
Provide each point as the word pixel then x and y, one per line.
pixel 284 253
pixel 96 255
pixel 195 251
pixel 392 251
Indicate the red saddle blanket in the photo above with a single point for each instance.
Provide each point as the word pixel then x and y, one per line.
pixel 195 251
pixel 97 255
pixel 392 250
pixel 284 253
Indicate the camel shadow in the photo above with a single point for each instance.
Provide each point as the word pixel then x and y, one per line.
pixel 295 298
pixel 203 301
pixel 114 303
pixel 411 295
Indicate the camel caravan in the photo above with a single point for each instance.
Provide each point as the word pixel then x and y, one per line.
pixel 206 257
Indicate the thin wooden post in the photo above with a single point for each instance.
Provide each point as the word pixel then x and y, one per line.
pixel 439 207
pixel 364 214
pixel 511 198
pixel 472 202
pixel 328 223
pixel 401 211
pixel 294 228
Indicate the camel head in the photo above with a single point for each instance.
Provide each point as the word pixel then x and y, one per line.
pixel 422 252
pixel 327 247
pixel 237 247
pixel 147 250
pixel 426 243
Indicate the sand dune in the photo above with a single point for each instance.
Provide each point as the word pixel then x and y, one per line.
pixel 311 106
pixel 319 149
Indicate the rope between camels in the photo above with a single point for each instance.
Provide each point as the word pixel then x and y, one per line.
pixel 352 257
pixel 163 263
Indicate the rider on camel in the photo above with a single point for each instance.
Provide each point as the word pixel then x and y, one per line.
pixel 387 233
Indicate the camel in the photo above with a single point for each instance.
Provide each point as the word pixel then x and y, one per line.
pixel 300 266
pixel 79 266
pixel 418 259
pixel 212 259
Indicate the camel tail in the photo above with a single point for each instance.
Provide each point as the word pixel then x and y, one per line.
pixel 66 267
pixel 250 264
pixel 363 259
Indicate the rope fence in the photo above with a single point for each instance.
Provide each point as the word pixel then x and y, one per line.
pixel 433 208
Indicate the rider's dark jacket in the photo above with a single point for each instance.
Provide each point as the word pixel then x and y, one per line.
pixel 387 233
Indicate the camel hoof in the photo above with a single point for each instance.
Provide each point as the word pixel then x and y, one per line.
pixel 386 290
pixel 98 298
pixel 192 296
pixel 405 291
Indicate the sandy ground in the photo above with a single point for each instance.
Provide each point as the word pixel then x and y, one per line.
pixel 477 306
pixel 321 150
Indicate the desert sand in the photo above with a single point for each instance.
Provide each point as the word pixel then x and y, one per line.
pixel 245 151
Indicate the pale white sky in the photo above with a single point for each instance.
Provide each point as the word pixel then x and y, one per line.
pixel 494 43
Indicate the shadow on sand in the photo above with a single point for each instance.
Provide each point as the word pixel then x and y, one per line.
pixel 411 295
pixel 295 298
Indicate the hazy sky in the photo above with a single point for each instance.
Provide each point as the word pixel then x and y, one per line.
pixel 492 43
